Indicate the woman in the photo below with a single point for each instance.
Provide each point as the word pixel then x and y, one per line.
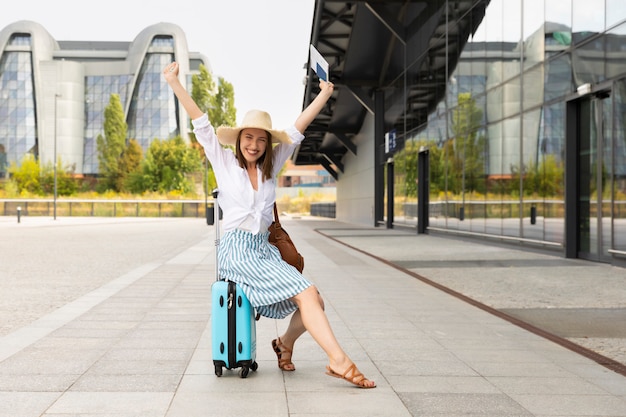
pixel 247 183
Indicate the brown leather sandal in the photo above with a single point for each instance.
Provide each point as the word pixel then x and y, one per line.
pixel 356 377
pixel 280 350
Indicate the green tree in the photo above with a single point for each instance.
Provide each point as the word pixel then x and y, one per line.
pixel 66 182
pixel 202 91
pixel 27 175
pixel 218 101
pixel 551 180
pixel 111 146
pixel 406 167
pixel 31 177
pixel 544 180
pixel 166 167
pixel 468 158
pixel 219 104
pixel 222 111
pixel 130 162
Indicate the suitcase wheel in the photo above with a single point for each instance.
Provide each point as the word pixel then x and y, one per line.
pixel 243 372
pixel 218 370
pixel 254 366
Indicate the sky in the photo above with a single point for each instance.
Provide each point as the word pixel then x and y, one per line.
pixel 261 47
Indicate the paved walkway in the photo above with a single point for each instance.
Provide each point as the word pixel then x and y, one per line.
pixel 110 318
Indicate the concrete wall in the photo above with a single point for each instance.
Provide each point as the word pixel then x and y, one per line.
pixel 65 80
pixel 355 188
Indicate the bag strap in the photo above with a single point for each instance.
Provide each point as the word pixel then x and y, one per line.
pixel 276 214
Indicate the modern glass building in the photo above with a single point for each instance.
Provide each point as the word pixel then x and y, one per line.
pixel 531 135
pixel 53 93
pixel 517 106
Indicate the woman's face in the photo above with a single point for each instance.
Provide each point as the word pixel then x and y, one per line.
pixel 253 143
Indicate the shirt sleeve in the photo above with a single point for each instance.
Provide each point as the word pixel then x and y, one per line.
pixel 205 134
pixel 283 151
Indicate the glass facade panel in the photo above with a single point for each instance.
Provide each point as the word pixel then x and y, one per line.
pixel 532 87
pixel 587 19
pixel 162 42
pixel 17 107
pixel 558 81
pixel 559 13
pixel 533 31
pixel 550 185
pixel 18 39
pixel 605 191
pixel 588 61
pixel 511 96
pixel 618 162
pixel 152 113
pixel 615 12
pixel 98 91
pixel 501 169
pixel 616 51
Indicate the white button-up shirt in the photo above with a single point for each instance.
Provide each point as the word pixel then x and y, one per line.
pixel 243 207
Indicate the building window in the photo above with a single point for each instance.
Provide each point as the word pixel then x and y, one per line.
pixel 17 107
pixel 152 111
pixel 98 90
pixel 19 39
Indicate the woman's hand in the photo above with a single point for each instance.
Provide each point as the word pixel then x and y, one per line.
pixel 170 72
pixel 326 88
pixel 312 110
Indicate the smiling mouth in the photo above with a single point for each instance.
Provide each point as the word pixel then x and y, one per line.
pixel 252 154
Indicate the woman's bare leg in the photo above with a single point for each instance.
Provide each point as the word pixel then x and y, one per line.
pixel 294 331
pixel 316 323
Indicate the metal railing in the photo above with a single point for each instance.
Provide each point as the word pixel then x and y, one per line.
pixel 104 208
pixel 323 210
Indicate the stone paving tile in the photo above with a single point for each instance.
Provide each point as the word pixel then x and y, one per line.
pixel 24 403
pixel 451 404
pixel 127 404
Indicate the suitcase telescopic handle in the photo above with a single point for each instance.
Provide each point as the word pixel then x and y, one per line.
pixel 216 222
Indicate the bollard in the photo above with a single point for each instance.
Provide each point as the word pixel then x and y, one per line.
pixel 210 214
pixel 19 213
pixel 533 215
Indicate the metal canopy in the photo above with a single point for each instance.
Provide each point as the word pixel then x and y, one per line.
pixel 395 46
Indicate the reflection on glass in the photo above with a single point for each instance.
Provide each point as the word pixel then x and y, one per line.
pixel 512 18
pixel 492 27
pixel 511 94
pixel 498 142
pixel 532 95
pixel 533 34
pixel 615 12
pixel 616 51
pixel 618 177
pixel 606 169
pixel 595 190
pixel 588 63
pixel 560 12
pixel 587 19
pixel 558 77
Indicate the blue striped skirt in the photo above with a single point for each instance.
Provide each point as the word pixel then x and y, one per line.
pixel 256 265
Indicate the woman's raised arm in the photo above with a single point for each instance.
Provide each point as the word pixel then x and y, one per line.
pixel 312 110
pixel 171 76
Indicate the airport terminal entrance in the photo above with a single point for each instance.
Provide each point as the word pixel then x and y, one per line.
pixel 588 156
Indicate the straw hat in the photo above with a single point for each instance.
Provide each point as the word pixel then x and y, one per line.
pixel 254 119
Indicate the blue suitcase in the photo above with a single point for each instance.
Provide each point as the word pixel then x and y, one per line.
pixel 233 329
pixel 233 326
